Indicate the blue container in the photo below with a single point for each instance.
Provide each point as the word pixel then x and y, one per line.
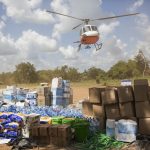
pixel 8 97
pixel 56 92
pixel 65 102
pixel 21 97
pixel 57 100
pixel 66 83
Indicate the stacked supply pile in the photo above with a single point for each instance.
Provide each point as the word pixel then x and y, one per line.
pixel 93 107
pixel 126 101
pixel 9 95
pixel 142 105
pixel 59 135
pixel 61 92
pixel 44 96
pixel 31 98
pixel 110 102
pixel 30 121
pixel 10 125
pixel 21 94
pixel 67 92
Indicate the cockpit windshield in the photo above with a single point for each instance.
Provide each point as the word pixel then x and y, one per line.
pixel 88 28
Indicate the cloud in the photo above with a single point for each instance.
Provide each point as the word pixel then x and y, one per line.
pixel 2 24
pixel 7 45
pixel 107 29
pixel 31 40
pixel 69 52
pixel 137 4
pixel 27 11
pixel 143 27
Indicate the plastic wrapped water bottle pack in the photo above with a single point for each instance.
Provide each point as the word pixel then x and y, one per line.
pixel 52 111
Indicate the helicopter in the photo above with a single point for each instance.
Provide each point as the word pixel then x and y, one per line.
pixel 89 34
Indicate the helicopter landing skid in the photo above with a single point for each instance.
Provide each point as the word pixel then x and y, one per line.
pixel 98 46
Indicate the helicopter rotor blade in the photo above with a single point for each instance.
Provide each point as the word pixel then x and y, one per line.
pixel 111 17
pixel 77 26
pixel 64 15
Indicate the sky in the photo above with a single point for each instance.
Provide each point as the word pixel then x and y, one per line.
pixel 29 34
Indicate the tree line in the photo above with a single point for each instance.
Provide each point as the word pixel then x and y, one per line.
pixel 27 73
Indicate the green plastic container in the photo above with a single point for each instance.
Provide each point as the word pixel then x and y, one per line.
pixel 79 120
pixel 69 121
pixel 81 131
pixel 57 120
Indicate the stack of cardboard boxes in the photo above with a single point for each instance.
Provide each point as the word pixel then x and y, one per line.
pixel 126 101
pixel 59 135
pixel 44 96
pixel 121 103
pixel 93 107
pixel 110 102
pixel 142 105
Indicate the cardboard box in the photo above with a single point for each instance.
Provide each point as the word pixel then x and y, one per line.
pixel 125 94
pixel 98 110
pixel 54 140
pixel 112 111
pixel 127 109
pixel 43 90
pixel 31 119
pixel 109 96
pixel 94 95
pixel 53 130
pixel 63 142
pixel 141 92
pixel 142 109
pixel 87 108
pixel 35 131
pixel 141 82
pixel 44 129
pixel 144 126
pixel 45 140
pixel 102 123
pixel 64 131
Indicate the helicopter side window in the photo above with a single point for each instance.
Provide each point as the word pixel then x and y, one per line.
pixel 94 28
pixel 87 28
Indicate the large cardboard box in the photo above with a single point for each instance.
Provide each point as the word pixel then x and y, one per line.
pixel 98 110
pixel 63 142
pixel 94 95
pixel 54 140
pixel 44 130
pixel 35 131
pixel 44 140
pixel 142 109
pixel 125 94
pixel 43 90
pixel 141 82
pixel 144 126
pixel 127 109
pixel 141 92
pixel 64 131
pixel 53 130
pixel 102 123
pixel 31 119
pixel 44 100
pixel 87 108
pixel 109 96
pixel 112 111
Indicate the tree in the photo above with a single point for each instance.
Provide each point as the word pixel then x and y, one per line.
pixel 118 71
pixel 142 63
pixel 25 73
pixel 93 72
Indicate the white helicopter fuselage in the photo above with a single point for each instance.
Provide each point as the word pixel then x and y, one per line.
pixel 89 35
